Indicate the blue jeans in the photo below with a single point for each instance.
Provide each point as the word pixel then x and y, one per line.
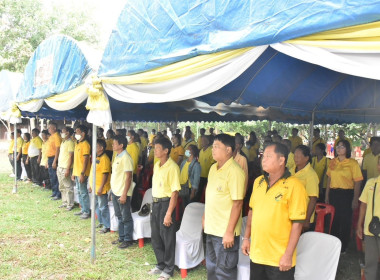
pixel 84 199
pixel 101 209
pixel 124 216
pixel 221 263
pixel 53 178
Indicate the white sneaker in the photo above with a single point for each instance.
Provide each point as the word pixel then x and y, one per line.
pixel 12 175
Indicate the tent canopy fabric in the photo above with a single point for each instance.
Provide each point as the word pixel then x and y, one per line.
pixel 56 66
pixel 150 34
pixel 9 85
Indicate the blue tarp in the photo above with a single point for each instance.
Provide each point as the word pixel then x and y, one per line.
pixel 153 33
pixel 57 65
pixel 9 85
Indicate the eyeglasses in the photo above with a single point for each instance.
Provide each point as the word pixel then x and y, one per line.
pixel 340 147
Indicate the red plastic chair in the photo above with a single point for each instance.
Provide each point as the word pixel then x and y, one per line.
pixel 322 209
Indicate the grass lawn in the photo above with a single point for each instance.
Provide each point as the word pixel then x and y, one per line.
pixel 40 241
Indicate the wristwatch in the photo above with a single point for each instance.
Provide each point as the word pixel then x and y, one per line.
pixel 244 238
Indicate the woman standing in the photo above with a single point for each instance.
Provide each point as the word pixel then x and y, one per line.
pixel 342 191
pixel 320 164
pixel 309 178
pixel 177 151
pixel 190 175
pixel 25 161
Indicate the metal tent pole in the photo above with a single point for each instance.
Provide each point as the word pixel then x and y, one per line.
pixel 311 131
pixel 93 234
pixel 15 157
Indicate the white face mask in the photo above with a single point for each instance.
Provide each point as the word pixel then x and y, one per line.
pixel 129 138
pixel 78 137
pixel 63 135
pixel 187 153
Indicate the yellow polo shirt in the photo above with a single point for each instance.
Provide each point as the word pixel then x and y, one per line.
pixel 184 174
pixel 53 143
pixel 165 179
pixel 344 173
pixel 296 141
pixel 103 165
pixel 44 158
pixel 81 149
pixel 199 142
pixel 320 168
pixel 19 144
pixel 122 163
pixel 35 146
pixel 205 160
pixel 370 162
pixel 367 198
pixel 134 151
pixel 316 142
pixel 310 180
pixel 252 152
pixel 273 212
pixel 224 185
pixel 290 164
pixel 366 152
pixel 151 137
pixel 109 145
pixel 25 147
pixel 176 152
pixel 67 147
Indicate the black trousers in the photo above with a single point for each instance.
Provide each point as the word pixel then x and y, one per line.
pixel 267 272
pixel 201 187
pixel 44 177
pixel 163 237
pixel 35 168
pixel 341 199
pixel 27 167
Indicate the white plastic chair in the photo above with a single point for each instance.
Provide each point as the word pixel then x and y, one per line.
pixel 243 266
pixel 114 222
pixel 189 250
pixel 141 225
pixel 317 256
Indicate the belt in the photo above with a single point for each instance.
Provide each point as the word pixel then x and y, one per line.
pixel 163 199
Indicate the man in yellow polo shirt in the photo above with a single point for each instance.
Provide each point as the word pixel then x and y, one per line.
pixel 165 187
pixel 295 139
pixel 316 140
pixel 222 217
pixel 341 136
pixel 144 145
pixel 274 224
pixel 202 132
pixel 370 161
pixel 81 170
pixel 103 177
pixel 52 152
pixel 121 186
pixel 134 151
pixel 64 170
pixel 34 156
pixel 19 143
pixel 205 160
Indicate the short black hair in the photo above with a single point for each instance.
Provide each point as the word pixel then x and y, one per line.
pixel 305 151
pixel 165 143
pixel 179 138
pixel 101 143
pixel 317 129
pixel 280 149
pixel 54 124
pixel 239 138
pixel 82 128
pixel 296 129
pixel 27 135
pixel 45 131
pixel 322 147
pixel 70 131
pixel 347 145
pixel 18 131
pixel 227 140
pixel 36 131
pixel 121 140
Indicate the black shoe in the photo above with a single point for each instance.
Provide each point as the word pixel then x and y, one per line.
pixel 56 198
pixel 116 242
pixel 53 195
pixel 125 244
pixel 104 230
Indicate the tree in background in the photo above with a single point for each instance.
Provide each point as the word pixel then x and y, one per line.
pixel 24 24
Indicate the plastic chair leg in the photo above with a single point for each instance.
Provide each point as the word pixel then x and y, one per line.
pixel 183 273
pixel 141 242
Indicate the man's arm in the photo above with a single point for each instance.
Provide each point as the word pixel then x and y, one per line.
pixel 55 161
pixel 104 181
pixel 359 229
pixel 286 259
pixel 245 247
pixel 327 194
pixel 228 238
pixel 86 160
pixel 69 164
pixel 128 181
pixel 172 204
pixel 355 201
pixel 310 211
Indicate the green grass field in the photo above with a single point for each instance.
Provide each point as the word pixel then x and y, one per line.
pixel 40 241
